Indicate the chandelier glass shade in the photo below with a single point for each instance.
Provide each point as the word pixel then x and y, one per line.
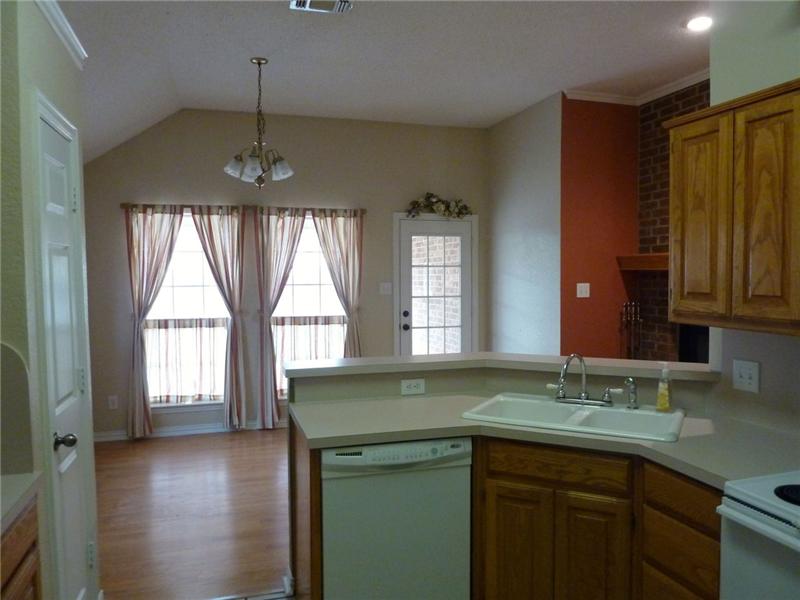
pixel 252 164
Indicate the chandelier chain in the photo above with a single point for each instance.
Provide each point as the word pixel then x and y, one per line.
pixel 260 120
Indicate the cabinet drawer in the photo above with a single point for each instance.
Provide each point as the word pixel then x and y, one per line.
pixel 24 585
pixel 684 553
pixel 18 540
pixel 595 471
pixel 657 586
pixel 687 500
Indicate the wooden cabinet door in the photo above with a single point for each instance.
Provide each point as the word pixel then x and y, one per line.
pixel 593 547
pixel 766 219
pixel 700 217
pixel 519 541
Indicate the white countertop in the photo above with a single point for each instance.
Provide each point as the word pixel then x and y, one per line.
pixel 495 360
pixel 15 492
pixel 710 450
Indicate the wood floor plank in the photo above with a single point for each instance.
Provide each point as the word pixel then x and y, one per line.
pixel 193 517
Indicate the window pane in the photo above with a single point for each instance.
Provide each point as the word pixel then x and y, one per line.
pixel 436 284
pixel 419 281
pixel 419 250
pixel 436 341
pixel 452 337
pixel 324 272
pixel 452 311
pixel 419 341
pixel 436 312
pixel 188 240
pixel 188 302
pixel 330 304
pixel 214 304
pixel 452 286
pixel 187 268
pixel 306 300
pixel 162 307
pixel 419 312
pixel 284 308
pixel 435 250
pixel 306 268
pixel 452 250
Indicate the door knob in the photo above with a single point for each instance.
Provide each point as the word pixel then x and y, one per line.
pixel 68 440
pixel 406 327
pixel 405 313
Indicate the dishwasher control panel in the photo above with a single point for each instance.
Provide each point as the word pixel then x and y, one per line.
pixel 398 454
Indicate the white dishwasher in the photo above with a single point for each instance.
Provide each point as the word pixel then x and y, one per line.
pixel 396 521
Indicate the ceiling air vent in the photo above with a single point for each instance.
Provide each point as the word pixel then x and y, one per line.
pixel 321 6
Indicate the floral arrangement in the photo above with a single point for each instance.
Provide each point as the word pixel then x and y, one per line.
pixel 431 203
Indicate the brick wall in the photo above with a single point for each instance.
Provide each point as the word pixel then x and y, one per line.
pixel 659 338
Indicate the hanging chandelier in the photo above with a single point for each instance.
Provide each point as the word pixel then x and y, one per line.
pixel 252 167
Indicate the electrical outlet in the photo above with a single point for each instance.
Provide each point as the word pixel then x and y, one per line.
pixel 745 375
pixel 582 290
pixel 411 387
pixel 113 402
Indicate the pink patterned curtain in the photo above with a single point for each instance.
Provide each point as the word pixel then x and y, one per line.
pixel 277 235
pixel 221 232
pixel 341 233
pixel 151 232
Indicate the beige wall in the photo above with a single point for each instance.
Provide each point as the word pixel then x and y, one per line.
pixel 755 45
pixel 525 228
pixel 338 163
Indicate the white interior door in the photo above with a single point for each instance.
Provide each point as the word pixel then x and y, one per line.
pixel 436 313
pixel 63 357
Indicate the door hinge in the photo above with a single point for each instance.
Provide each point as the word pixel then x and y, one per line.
pixel 91 555
pixel 75 200
pixel 81 376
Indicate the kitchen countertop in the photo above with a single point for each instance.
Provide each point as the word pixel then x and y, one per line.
pixel 496 360
pixel 711 450
pixel 16 491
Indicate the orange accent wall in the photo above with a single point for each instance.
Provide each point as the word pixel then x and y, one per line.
pixel 599 177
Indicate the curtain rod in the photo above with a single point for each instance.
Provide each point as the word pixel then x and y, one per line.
pixel 363 211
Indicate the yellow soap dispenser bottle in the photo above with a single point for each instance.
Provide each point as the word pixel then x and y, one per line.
pixel 663 397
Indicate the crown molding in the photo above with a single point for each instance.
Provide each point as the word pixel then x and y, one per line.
pixel 600 97
pixel 648 96
pixel 58 21
pixel 673 86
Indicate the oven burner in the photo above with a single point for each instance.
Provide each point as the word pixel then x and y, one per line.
pixel 789 493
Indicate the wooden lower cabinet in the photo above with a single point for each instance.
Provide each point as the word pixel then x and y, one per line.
pixel 555 523
pixel 19 558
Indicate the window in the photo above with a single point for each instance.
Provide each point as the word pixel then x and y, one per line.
pixel 309 321
pixel 186 330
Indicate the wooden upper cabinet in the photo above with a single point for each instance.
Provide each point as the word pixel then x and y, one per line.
pixel 735 213
pixel 766 217
pixel 700 214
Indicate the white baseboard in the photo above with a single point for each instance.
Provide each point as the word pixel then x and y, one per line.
pixel 176 430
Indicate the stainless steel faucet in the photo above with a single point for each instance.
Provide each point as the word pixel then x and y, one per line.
pixel 561 394
pixel 633 397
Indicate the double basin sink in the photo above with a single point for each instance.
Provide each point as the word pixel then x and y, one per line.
pixel 544 412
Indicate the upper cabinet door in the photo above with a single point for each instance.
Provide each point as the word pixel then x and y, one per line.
pixel 700 209
pixel 766 259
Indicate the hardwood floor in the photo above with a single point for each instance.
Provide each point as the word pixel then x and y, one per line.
pixel 193 517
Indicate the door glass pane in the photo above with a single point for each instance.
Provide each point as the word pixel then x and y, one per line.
pixel 419 281
pixel 419 341
pixel 419 312
pixel 452 340
pixel 436 312
pixel 452 281
pixel 419 249
pixel 436 281
pixel 436 250
pixel 452 250
pixel 436 340
pixel 452 311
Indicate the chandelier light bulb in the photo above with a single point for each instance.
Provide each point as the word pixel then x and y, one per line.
pixel 700 23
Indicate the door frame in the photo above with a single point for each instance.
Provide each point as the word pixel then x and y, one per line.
pixel 41 417
pixel 397 219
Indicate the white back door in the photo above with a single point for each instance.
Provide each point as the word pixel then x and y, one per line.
pixel 435 311
pixel 62 356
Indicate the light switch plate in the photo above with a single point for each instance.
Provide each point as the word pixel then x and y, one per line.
pixel 745 375
pixel 582 290
pixel 412 387
pixel 113 402
pixel 385 288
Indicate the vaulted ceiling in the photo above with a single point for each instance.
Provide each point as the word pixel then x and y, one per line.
pixel 440 63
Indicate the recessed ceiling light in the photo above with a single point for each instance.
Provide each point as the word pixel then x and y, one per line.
pixel 701 23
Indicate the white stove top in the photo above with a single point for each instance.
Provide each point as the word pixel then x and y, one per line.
pixel 759 492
